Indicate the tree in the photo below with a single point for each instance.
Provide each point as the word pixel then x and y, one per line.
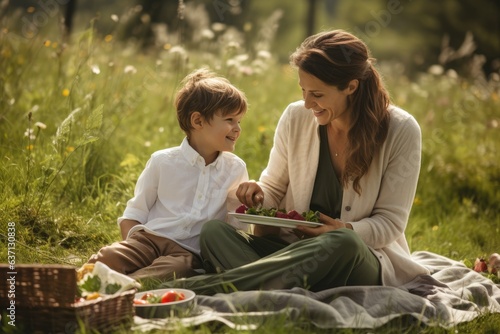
pixel 311 17
pixel 68 18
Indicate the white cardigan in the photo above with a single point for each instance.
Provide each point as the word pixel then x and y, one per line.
pixel 379 216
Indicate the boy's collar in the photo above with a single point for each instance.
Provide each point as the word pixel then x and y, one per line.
pixel 193 156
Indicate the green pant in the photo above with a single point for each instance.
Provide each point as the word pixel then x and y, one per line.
pixel 336 258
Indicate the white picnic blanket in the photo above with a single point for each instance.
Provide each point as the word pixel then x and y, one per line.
pixel 452 294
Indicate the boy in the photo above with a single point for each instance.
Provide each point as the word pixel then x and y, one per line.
pixel 183 187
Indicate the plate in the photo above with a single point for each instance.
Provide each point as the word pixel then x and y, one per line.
pixel 272 221
pixel 164 310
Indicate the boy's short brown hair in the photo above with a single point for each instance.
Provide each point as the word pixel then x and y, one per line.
pixel 208 94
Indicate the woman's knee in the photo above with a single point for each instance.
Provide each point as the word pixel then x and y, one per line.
pixel 341 240
pixel 350 238
pixel 214 231
pixel 212 225
pixel 211 228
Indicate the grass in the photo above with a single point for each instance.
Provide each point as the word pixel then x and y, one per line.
pixel 78 122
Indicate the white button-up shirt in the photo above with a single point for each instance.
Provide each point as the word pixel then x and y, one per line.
pixel 176 194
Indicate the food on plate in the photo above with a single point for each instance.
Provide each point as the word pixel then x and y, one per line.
pixel 310 216
pixel 164 303
pixel 167 297
pixel 172 296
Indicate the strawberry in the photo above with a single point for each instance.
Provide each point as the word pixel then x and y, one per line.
pixel 241 209
pixel 295 215
pixel 480 266
pixel 283 215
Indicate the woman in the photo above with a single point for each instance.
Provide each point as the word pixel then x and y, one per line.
pixel 343 151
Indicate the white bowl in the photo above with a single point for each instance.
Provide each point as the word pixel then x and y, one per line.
pixel 164 310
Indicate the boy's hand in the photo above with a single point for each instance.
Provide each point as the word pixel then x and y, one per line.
pixel 126 225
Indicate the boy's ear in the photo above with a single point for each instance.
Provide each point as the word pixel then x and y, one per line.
pixel 196 120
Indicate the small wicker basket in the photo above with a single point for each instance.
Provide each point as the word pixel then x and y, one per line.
pixel 44 297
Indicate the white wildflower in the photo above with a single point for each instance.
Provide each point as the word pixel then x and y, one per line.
pixel 30 134
pixel 241 58
pixel 130 69
pixel 115 17
pixel 231 63
pixel 452 74
pixel 95 69
pixel 218 27
pixel 264 54
pixel 436 70
pixel 207 34
pixel 178 50
pixel 40 125
pixel 492 124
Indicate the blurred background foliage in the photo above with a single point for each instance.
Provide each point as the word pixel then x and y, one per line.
pixel 416 33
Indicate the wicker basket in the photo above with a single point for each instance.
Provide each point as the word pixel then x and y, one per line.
pixel 45 302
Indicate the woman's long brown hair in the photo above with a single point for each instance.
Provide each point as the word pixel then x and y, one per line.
pixel 337 57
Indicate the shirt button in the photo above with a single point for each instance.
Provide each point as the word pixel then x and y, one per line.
pixel 348 208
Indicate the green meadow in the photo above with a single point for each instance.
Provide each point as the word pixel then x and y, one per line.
pixel 80 118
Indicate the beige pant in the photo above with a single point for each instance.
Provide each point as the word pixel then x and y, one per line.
pixel 145 255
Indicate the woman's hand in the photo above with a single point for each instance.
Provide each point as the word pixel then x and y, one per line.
pixel 329 224
pixel 250 194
